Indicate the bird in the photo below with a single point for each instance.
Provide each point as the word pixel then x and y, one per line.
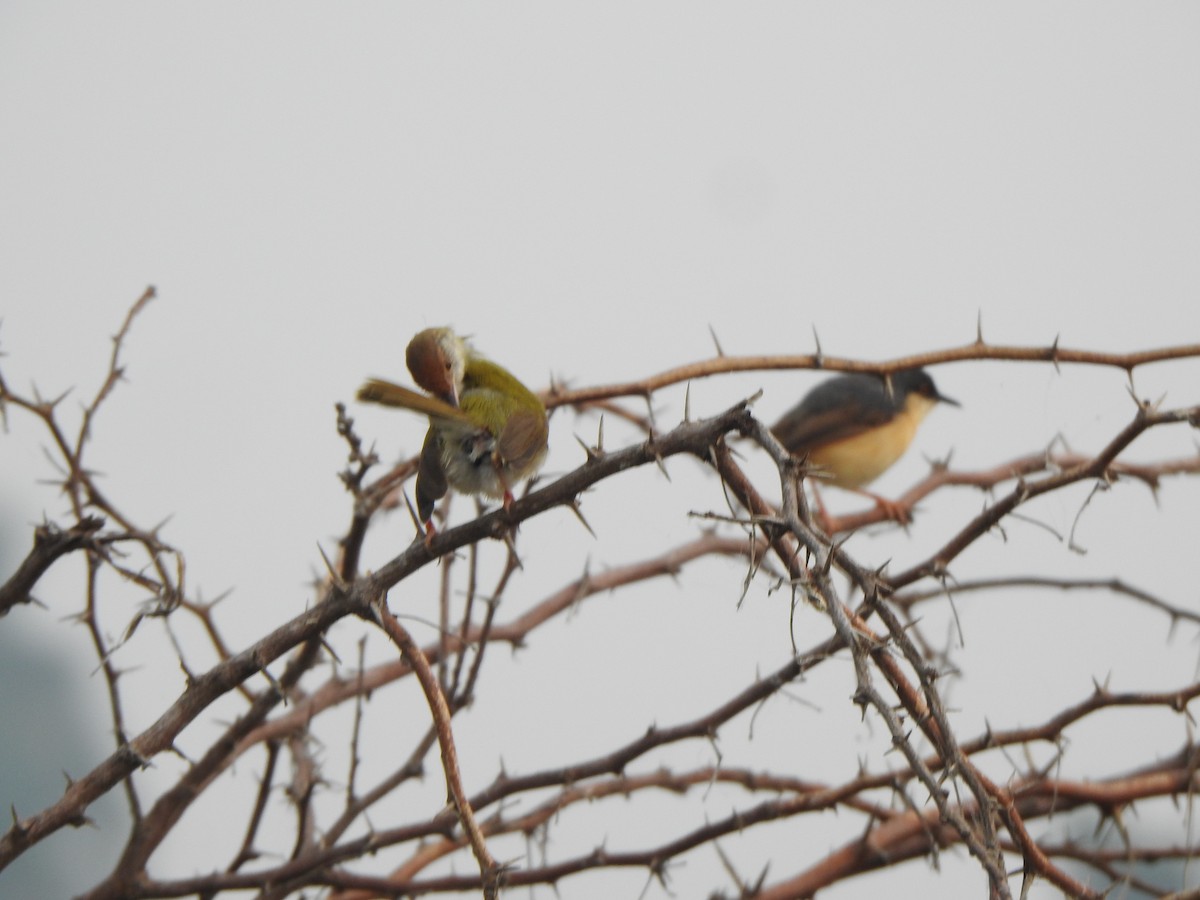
pixel 854 427
pixel 487 431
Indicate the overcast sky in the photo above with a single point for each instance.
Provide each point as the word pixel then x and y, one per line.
pixel 585 189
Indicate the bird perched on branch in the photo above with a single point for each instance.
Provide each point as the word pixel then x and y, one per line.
pixel 487 431
pixel 854 427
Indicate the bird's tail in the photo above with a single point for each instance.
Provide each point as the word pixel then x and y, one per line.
pixel 385 393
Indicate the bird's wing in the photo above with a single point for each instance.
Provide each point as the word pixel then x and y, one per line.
pixel 832 412
pixel 385 393
pixel 523 437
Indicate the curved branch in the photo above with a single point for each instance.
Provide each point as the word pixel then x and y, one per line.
pixel 723 365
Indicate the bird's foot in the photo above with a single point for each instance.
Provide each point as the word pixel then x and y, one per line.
pixel 893 510
pixel 430 532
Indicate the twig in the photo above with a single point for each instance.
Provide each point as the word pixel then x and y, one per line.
pixel 490 871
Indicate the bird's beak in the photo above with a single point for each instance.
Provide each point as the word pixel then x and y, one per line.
pixel 942 398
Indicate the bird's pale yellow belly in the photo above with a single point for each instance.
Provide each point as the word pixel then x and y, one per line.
pixel 859 460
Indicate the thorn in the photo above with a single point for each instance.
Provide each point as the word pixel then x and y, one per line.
pixel 1129 389
pixel 819 355
pixel 329 649
pixel 1054 355
pixel 940 464
pixel 49 405
pixel 1129 379
pixel 334 576
pixel 375 605
pixel 862 700
pixel 979 328
pixel 220 598
pixel 597 452
pixel 1027 881
pixel 512 548
pixel 592 455
pixel 412 511
pixel 650 413
pixel 834 549
pixel 862 766
pixel 687 403
pixel 662 466
pixel 716 340
pixel 574 507
pixel 1153 485
pixel 582 588
pixel 756 888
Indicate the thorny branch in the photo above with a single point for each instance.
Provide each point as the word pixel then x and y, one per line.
pixel 975 351
pixel 943 790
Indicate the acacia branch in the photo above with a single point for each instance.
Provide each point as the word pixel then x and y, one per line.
pixel 50 543
pixel 964 806
pixel 160 736
pixel 339 602
pixel 977 350
pixel 489 870
pixel 1025 491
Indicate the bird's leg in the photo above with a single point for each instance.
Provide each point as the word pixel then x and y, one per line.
pixel 430 532
pixel 891 509
pixel 498 464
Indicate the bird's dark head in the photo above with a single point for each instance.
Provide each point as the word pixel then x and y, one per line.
pixel 909 382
